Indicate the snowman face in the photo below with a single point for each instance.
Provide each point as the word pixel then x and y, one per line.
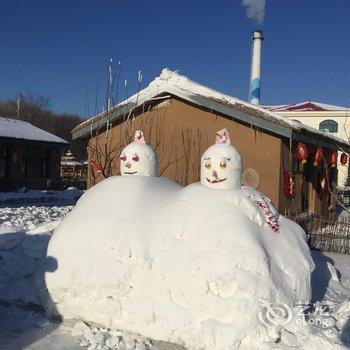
pixel 138 159
pixel 221 167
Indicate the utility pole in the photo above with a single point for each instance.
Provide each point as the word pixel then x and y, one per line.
pixel 18 106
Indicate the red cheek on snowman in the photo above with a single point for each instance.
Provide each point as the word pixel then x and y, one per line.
pixel 135 158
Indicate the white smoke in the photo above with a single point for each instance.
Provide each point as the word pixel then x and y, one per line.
pixel 255 9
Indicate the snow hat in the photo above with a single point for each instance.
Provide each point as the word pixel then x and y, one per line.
pixel 221 164
pixel 138 158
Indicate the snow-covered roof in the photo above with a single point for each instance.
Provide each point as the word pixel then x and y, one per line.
pixel 71 163
pixel 172 83
pixel 305 106
pixel 19 129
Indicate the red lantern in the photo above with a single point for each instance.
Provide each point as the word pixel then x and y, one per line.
pixel 333 158
pixel 344 158
pixel 288 184
pixel 302 153
pixel 318 156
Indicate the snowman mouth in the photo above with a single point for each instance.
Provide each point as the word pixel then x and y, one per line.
pixel 216 180
pixel 130 172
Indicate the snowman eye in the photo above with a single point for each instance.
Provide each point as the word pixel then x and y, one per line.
pixel 123 158
pixel 135 158
pixel 207 165
pixel 223 165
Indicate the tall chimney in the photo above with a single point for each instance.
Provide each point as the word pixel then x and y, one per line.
pixel 254 84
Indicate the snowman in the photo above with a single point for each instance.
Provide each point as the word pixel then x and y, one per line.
pixel 221 168
pixel 138 158
pixel 221 164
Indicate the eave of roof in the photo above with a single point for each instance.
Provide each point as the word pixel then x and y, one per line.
pixel 322 114
pixel 211 99
pixel 15 140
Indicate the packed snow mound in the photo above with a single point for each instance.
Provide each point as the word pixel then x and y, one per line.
pixel 184 265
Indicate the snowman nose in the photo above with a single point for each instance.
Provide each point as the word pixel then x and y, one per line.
pixel 214 173
pixel 128 165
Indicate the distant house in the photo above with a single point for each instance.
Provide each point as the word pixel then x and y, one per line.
pixel 328 118
pixel 29 157
pixel 180 118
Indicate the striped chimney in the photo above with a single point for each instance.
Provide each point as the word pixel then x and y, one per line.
pixel 254 86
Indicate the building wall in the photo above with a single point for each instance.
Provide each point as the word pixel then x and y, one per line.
pixel 29 165
pixel 180 133
pixel 314 118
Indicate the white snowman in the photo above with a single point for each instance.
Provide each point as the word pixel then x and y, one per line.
pixel 138 159
pixel 221 168
pixel 221 164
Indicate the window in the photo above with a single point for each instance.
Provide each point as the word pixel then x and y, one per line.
pixel 329 126
pixel 34 163
pixel 4 162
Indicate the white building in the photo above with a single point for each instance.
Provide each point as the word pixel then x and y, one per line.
pixel 325 117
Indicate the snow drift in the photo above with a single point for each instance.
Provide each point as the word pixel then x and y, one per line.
pixel 185 265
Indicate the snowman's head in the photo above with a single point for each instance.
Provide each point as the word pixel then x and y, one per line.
pixel 221 164
pixel 138 158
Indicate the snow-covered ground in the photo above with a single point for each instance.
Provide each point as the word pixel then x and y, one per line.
pixel 37 197
pixel 24 234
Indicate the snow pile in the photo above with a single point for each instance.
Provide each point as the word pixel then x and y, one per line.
pixel 103 338
pixel 24 235
pixel 185 265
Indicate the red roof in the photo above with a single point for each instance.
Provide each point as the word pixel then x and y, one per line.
pixel 305 106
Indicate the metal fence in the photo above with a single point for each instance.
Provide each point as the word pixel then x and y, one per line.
pixel 325 235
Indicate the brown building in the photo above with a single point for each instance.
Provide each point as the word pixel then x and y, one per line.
pixel 180 119
pixel 29 157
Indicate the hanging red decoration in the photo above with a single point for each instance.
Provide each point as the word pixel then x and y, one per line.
pixel 288 184
pixel 302 153
pixel 344 158
pixel 318 156
pixel 323 185
pixel 95 166
pixel 333 158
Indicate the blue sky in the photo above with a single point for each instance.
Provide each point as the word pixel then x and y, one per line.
pixel 60 48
